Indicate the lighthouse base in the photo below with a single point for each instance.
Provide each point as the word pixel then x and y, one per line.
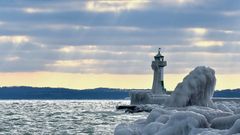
pixel 147 97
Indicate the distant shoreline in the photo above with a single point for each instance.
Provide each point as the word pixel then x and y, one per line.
pixel 46 93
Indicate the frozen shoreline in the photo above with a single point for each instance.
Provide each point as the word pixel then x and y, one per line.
pixel 177 119
pixel 189 110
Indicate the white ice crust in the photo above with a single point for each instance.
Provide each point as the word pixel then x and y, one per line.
pixel 196 89
pixel 190 120
pixel 189 111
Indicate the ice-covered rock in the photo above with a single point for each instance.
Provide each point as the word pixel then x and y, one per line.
pixel 235 128
pixel 196 89
pixel 224 108
pixel 175 123
pixel 152 128
pixel 123 129
pixel 181 123
pixel 155 114
pixel 189 111
pixel 209 113
pixel 224 122
pixel 207 131
pixel 190 120
pixel 163 118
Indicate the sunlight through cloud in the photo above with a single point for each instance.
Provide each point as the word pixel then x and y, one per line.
pixel 114 6
pixel 208 43
pixel 12 58
pixel 106 36
pixel 198 31
pixel 14 39
pixel 73 63
pixel 67 49
pixel 176 2
pixel 79 49
pixel 30 10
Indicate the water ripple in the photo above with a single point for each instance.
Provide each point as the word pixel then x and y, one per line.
pixel 68 117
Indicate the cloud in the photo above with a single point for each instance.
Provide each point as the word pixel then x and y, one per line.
pixel 232 13
pixel 198 31
pixel 36 10
pixel 119 36
pixel 12 58
pixel 114 6
pixel 207 43
pixel 14 39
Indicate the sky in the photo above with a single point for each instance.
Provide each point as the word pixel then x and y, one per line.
pixel 109 43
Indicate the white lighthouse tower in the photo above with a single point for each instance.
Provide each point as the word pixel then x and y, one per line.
pixel 158 93
pixel 157 65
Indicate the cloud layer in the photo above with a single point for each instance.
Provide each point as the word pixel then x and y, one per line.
pixel 118 37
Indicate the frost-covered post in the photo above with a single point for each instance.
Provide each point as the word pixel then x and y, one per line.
pixel 157 65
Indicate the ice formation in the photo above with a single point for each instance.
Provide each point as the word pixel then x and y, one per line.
pixel 140 97
pixel 189 111
pixel 182 122
pixel 190 120
pixel 235 128
pixel 196 89
pixel 224 122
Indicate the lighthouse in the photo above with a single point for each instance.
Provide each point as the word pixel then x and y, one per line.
pixel 158 93
pixel 157 65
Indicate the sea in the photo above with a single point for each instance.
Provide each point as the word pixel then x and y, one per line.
pixel 63 117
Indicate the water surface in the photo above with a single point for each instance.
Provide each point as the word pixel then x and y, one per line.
pixel 96 117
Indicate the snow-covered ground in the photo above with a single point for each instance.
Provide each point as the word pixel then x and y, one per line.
pixel 189 111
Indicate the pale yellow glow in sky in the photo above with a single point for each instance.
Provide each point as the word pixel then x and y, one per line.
pixel 83 81
pixel 14 39
pixel 198 31
pixel 114 6
pixel 207 43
